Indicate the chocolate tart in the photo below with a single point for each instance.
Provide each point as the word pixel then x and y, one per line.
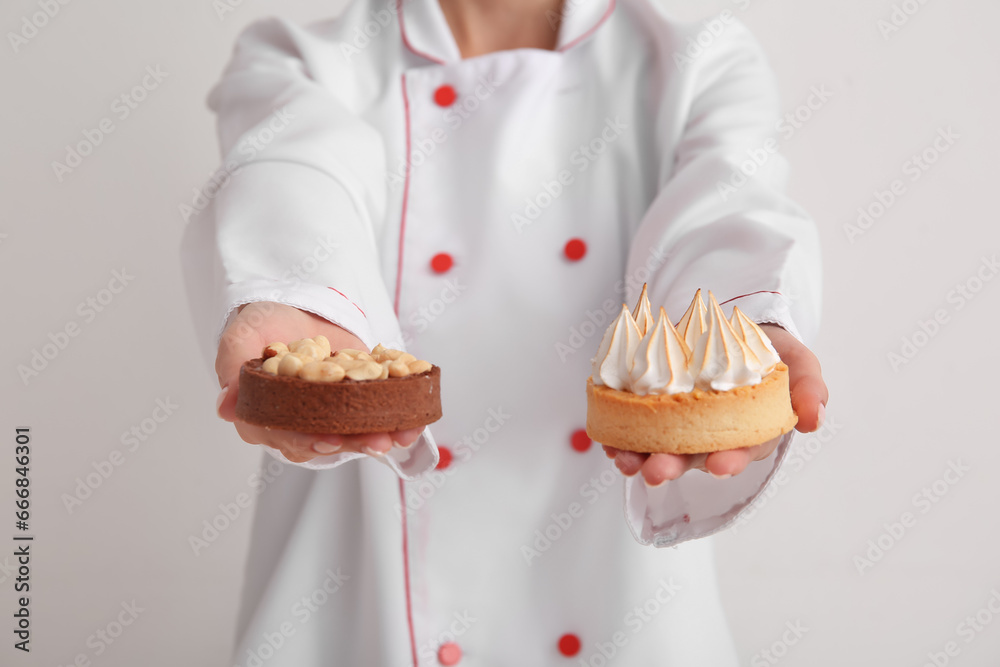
pixel 347 407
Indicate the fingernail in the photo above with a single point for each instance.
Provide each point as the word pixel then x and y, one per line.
pixel 322 447
pixel 397 443
pixel 619 466
pixel 654 486
pixel 372 452
pixel 726 476
pixel 822 416
pixel 220 399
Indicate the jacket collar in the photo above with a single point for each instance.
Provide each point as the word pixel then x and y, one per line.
pixel 425 30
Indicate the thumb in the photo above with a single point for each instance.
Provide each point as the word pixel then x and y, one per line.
pixel 234 350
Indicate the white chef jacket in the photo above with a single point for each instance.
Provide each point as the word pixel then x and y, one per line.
pixel 541 189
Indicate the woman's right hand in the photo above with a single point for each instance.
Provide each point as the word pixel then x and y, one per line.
pixel 255 326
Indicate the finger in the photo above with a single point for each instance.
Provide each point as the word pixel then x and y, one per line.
pixel 629 463
pixel 809 393
pixel 375 444
pixel 406 438
pixel 308 445
pixel 660 468
pixel 610 452
pixel 728 463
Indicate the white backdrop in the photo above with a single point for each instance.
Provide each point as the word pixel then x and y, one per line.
pixel 880 547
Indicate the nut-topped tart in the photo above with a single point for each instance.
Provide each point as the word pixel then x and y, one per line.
pixel 304 387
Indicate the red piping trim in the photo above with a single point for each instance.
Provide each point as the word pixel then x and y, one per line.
pixel 352 303
pixel 395 307
pixel 763 291
pixel 406 198
pixel 611 8
pixel 406 41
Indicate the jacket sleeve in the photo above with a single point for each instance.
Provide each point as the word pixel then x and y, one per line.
pixel 723 222
pixel 295 212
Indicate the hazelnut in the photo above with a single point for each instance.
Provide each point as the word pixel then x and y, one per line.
pixel 419 366
pixel 271 365
pixel 321 371
pixel 368 371
pixel 398 369
pixel 324 345
pixel 274 350
pixel 290 364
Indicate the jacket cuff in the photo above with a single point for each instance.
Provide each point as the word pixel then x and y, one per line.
pixel 327 302
pixel 696 505
pixel 766 308
pixel 409 464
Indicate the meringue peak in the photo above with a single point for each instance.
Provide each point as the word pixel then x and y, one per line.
pixel 721 360
pixel 643 314
pixel 692 324
pixel 616 355
pixel 756 340
pixel 661 362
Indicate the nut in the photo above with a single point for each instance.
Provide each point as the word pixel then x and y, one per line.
pixel 368 371
pixel 385 370
pixel 378 352
pixel 271 365
pixel 398 369
pixel 274 350
pixel 391 354
pixel 406 358
pixel 308 348
pixel 324 345
pixel 290 364
pixel 321 371
pixel 419 366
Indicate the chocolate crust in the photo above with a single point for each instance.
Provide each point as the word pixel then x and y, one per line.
pixel 348 407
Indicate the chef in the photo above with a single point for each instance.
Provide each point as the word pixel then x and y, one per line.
pixel 485 182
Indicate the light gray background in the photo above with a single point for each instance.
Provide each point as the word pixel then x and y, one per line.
pixel 892 432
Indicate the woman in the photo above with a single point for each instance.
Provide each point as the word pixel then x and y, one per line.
pixel 485 182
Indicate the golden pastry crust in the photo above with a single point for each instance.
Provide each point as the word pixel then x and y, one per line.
pixel 695 422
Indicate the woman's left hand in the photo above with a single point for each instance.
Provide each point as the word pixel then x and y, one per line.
pixel 809 398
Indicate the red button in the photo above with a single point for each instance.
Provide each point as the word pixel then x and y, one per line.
pixel 445 96
pixel 449 654
pixel 441 262
pixel 445 459
pixel 569 645
pixel 580 441
pixel 575 249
